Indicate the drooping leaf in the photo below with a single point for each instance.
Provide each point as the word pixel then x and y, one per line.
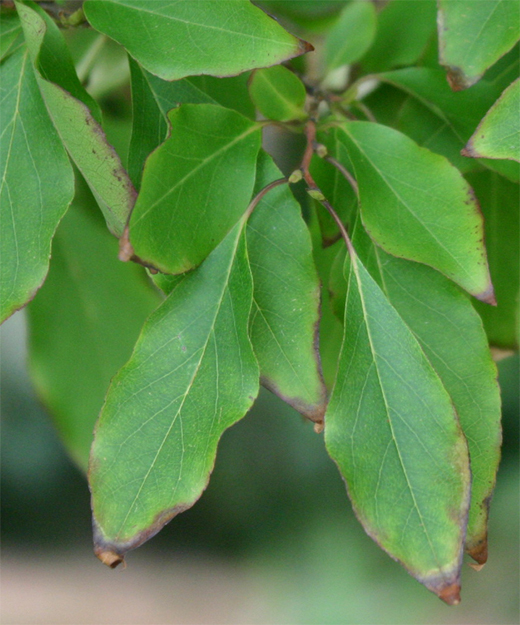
pixel 278 94
pixel 84 322
pixel 392 430
pixel 11 35
pixel 415 205
pixel 75 116
pixel 195 186
pixel 498 134
pixel 286 297
pixel 352 35
pixel 451 335
pixel 152 98
pixel 473 35
pixel 404 28
pixel 177 39
pixel 192 375
pixel 37 184
pixel 499 200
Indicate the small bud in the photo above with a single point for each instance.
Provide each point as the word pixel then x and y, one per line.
pixel 321 150
pixel 316 194
pixel 296 176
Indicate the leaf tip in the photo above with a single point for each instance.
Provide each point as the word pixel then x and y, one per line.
pixel 479 553
pixel 450 594
pixel 108 556
pixel 305 46
pixel 487 296
pixel 469 151
pixel 458 80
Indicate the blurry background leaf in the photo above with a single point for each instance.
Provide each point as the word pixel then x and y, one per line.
pixel 84 323
pixel 473 35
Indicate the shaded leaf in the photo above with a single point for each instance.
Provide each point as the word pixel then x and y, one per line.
pixel 11 36
pixel 498 134
pixel 452 338
pixel 37 184
pixel 191 376
pixel 286 298
pixel 473 35
pixel 75 116
pixel 499 200
pixel 352 35
pixel 404 28
pixel 152 98
pixel 415 205
pixel 177 39
pixel 195 186
pixel 278 94
pixel 78 345
pixel 394 434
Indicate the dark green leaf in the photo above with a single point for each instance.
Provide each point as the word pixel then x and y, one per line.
pixel 278 94
pixel 498 134
pixel 394 434
pixel 191 376
pixel 84 322
pixel 286 299
pixel 451 335
pixel 416 205
pixel 11 36
pixel 152 98
pixel 37 184
pixel 500 200
pixel 404 28
pixel 473 35
pixel 352 35
pixel 177 39
pixel 195 186
pixel 67 103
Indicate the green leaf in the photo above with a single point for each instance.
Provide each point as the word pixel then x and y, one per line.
pixel 177 39
pixel 498 134
pixel 473 35
pixel 452 337
pixel 286 300
pixel 69 107
pixel 11 36
pixel 37 184
pixel 152 98
pixel 278 94
pixel 499 200
pixel 83 323
pixel 192 375
pixel 195 186
pixel 415 205
pixel 352 35
pixel 404 28
pixel 394 434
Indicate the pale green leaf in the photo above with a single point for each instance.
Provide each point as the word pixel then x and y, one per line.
pixel 352 35
pixel 192 375
pixel 416 205
pixel 393 431
pixel 175 39
pixel 286 299
pixel 37 183
pixel 84 322
pixel 278 94
pixel 498 134
pixel 473 35
pixel 195 186
pixel 68 105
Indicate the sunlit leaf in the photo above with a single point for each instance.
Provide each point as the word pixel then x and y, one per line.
pixel 278 94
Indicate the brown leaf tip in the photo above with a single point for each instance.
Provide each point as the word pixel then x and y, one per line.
pixel 450 594
pixel 487 296
pixel 109 557
pixel 479 552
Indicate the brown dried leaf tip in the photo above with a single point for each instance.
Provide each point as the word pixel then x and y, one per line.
pixel 109 557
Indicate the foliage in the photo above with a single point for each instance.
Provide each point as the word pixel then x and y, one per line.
pixel 247 283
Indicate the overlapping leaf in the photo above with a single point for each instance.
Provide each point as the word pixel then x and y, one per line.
pixel 416 205
pixel 278 94
pixel 10 32
pixel 84 322
pixel 192 375
pixel 184 38
pixel 498 134
pixel 285 314
pixel 393 431
pixel 37 184
pixel 195 186
pixel 473 35
pixel 76 117
pixel 451 335
pixel 152 98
